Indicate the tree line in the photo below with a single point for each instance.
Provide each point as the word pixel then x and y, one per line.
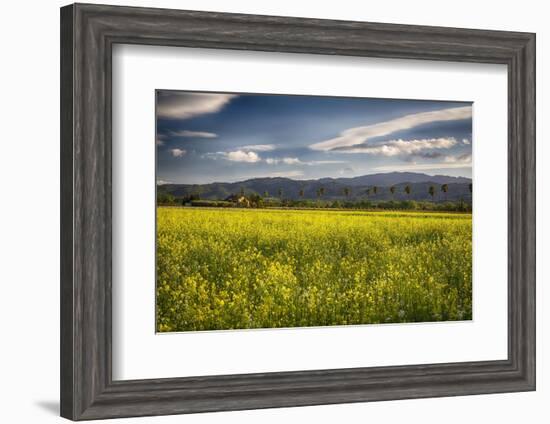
pixel 254 200
pixel 374 190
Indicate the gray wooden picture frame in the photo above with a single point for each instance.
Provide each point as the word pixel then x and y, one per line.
pixel 88 33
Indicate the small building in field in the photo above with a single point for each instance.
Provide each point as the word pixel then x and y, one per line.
pixel 239 200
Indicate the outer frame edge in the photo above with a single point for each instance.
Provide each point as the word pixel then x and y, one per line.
pixel 86 393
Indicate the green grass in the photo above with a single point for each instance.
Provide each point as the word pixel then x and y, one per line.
pixel 258 268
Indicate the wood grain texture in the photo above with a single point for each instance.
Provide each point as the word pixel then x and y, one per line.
pixel 88 33
pixel 66 213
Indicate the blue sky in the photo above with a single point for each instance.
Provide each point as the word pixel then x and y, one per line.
pixel 205 137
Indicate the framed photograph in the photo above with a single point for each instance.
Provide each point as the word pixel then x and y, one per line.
pixel 264 212
pixel 294 232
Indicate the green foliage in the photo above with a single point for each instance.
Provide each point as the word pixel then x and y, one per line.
pixel 253 268
pixel 164 198
pixel 212 203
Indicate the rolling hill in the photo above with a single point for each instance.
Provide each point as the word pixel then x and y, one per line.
pixel 334 188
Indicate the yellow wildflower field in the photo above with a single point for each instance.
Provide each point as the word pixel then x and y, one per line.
pixel 231 268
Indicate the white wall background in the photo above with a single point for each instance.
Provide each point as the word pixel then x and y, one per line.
pixel 29 214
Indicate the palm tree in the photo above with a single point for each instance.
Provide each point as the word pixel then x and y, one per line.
pixel 198 192
pixel 280 193
pixel 375 190
pixel 347 191
pixel 431 191
pixel 408 190
pixel 368 192
pixel 320 192
pixel 444 189
pixel 392 191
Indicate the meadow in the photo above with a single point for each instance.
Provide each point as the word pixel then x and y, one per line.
pixel 233 268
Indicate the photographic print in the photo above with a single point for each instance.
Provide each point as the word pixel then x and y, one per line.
pixel 278 211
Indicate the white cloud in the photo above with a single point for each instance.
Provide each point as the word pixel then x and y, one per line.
pixel 296 161
pixel 259 147
pixel 182 105
pixel 287 174
pixel 402 147
pixel 287 161
pixel 235 156
pixel 466 158
pixel 325 162
pixel 361 135
pixel 195 134
pixel 178 152
pixel 449 162
pixel 466 141
pixel 242 156
pixel 420 167
pixel 292 161
pixel 163 182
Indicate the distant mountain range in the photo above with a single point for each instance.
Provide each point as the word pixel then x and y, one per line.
pixel 334 188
